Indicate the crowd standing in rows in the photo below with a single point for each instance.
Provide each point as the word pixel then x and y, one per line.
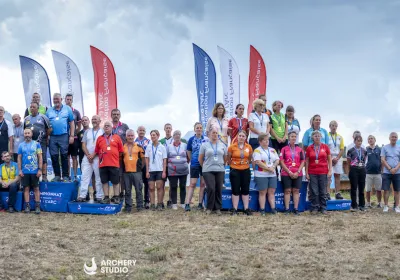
pixel 265 141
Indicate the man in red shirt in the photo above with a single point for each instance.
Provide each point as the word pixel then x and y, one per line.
pixel 108 148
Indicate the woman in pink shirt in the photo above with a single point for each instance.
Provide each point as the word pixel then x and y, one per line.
pixel 292 162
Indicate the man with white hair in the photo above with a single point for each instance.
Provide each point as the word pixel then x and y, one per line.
pixel 108 148
pixel 62 121
pixel 42 109
pixel 6 134
pixel 90 161
pixel 134 162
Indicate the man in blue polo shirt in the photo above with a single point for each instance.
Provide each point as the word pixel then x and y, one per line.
pixel 62 121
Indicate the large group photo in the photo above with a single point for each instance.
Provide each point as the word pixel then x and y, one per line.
pixel 231 166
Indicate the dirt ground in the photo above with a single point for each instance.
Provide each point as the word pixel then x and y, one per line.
pixel 178 245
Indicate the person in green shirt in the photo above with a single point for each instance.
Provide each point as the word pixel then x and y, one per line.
pixel 279 131
pixel 42 108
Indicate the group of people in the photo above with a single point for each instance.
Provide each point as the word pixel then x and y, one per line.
pixel 267 141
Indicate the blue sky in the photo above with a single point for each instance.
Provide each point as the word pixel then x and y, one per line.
pixel 340 59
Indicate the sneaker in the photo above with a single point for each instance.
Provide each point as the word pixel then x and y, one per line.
pixel 296 212
pixel 37 208
pixel 368 205
pixel 200 207
pixel 183 206
pixel 56 179
pixel 153 207
pixel 328 197
pixel 323 212
pixel 353 209
pixel 66 179
pixel 262 212
pixel 81 199
pixel 314 212
pixel 76 179
pixel 187 207
pixel 218 212
pixel 115 200
pixel 208 212
pixel 162 206
pixel 286 211
pixel 385 209
pixel 105 200
pixel 234 212
pixel 147 205
pixel 379 205
pixel 169 204
pixel 338 196
pixel 248 212
pixel 44 179
pixel 27 208
pixel 273 211
pixel 397 209
pixel 174 207
pixel 362 209
pixel 11 209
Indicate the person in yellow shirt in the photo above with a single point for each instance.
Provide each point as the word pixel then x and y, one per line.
pixel 9 179
pixel 336 145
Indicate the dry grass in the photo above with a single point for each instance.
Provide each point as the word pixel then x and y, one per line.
pixel 175 245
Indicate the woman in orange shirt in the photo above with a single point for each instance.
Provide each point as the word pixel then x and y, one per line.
pixel 239 159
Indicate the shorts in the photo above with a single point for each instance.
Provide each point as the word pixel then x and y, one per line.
pixel 240 181
pixel 73 148
pixel 338 168
pixel 44 152
pixel 263 183
pixel 196 172
pixel 388 179
pixel 30 180
pixel 289 183
pixel 109 174
pixel 373 180
pixel 166 176
pixel 253 142
pixel 155 176
pixel 273 143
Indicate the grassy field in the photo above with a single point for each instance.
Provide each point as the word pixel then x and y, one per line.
pixel 178 245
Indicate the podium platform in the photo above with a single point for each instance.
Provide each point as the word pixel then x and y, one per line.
pixel 94 208
pixel 54 196
pixel 335 205
pixel 18 203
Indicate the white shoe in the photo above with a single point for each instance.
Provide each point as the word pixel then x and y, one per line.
pixel 385 208
pixel 174 207
pixel 397 209
pixel 183 206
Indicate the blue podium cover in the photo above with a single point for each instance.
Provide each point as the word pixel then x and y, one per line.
pixel 54 196
pixel 94 208
pixel 335 205
pixel 18 203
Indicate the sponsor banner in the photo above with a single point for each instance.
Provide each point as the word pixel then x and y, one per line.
pixel 34 79
pixel 69 79
pixel 230 79
pixel 94 208
pixel 257 77
pixel 105 84
pixel 205 84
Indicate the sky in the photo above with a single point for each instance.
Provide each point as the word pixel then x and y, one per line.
pixel 339 59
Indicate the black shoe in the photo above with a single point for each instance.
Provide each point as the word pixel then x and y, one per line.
pixel 27 208
pixel 37 208
pixel 248 212
pixel 11 209
pixel 169 204
pixel 338 196
pixel 328 197
pixel 147 205
pixel 273 211
pixel 105 200
pixel 323 212
pixel 286 212
pixel 115 200
pixel 262 212
pixel 200 207
pixel 162 206
pixel 296 212
pixel 234 212
pixel 153 207
pixel 87 197
pixel 362 209
pixel 187 207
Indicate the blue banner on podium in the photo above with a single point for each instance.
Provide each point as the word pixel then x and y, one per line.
pixel 18 202
pixel 335 205
pixel 54 196
pixel 94 208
